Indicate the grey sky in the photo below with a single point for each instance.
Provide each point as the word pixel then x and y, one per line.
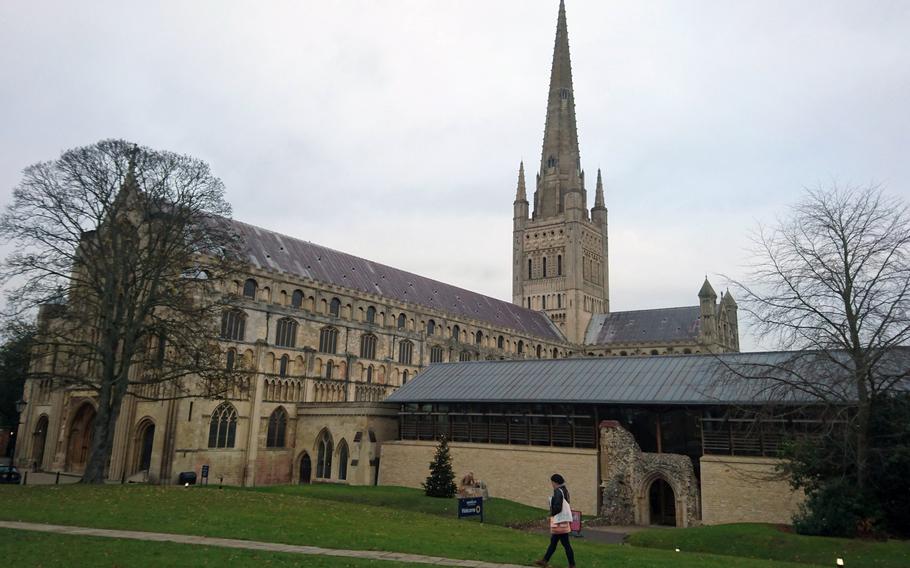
pixel 393 129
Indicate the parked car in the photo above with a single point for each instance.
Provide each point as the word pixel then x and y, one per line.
pixel 9 474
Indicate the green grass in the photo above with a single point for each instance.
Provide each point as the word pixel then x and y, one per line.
pixel 42 550
pixel 771 542
pixel 285 517
pixel 496 511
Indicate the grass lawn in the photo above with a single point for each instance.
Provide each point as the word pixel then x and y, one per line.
pixel 771 543
pixel 297 517
pixel 41 550
pixel 496 511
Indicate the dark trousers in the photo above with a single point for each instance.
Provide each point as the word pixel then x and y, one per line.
pixel 564 539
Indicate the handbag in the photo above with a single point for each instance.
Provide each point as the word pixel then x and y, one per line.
pixel 561 523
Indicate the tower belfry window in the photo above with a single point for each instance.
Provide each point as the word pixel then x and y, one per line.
pixel 552 161
pixel 564 93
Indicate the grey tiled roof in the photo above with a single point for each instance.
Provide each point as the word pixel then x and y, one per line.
pixel 269 250
pixel 733 378
pixel 637 326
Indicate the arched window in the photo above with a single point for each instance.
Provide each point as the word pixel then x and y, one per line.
pixel 231 359
pixel 544 300
pixel 530 269
pixel 278 423
pixel 402 321
pixel 342 461
pixel 233 325
pixel 436 354
pixel 286 333
pixel 223 426
pixel 160 350
pixel 370 374
pixel 404 378
pixel 283 366
pixel 249 288
pixel 544 267
pixel 559 265
pixel 324 450
pixel 478 337
pixel 555 353
pixel 371 315
pixel 335 307
pixel 500 342
pixel 539 349
pixel 687 351
pixel 521 347
pixel 431 327
pixel 329 369
pixel 464 356
pixel 297 299
pixel 456 333
pixel 558 300
pixel 368 346
pixel 328 340
pixel 654 352
pixel 405 350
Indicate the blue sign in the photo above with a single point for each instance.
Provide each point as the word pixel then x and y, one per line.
pixel 470 507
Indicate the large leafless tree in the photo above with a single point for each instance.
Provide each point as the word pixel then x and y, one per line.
pixel 122 247
pixel 831 281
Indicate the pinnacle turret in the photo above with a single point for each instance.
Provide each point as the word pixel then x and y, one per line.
pixel 521 194
pixel 707 291
pixel 599 194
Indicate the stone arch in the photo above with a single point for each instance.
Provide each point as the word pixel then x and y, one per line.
pixel 143 441
pixel 643 502
pixel 39 440
pixel 79 437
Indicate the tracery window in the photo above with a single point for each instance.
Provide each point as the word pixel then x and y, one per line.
pixel 328 340
pixel 436 354
pixel 233 325
pixel 278 421
pixel 324 456
pixel 368 346
pixel 286 333
pixel 405 350
pixel 223 426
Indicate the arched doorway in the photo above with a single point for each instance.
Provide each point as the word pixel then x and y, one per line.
pixel 144 442
pixel 80 438
pixel 306 469
pixel 39 440
pixel 662 503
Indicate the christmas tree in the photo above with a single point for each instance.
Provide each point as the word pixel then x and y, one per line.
pixel 441 482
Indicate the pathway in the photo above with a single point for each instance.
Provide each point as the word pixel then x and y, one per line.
pixel 251 545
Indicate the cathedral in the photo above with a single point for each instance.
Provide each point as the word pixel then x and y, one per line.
pixel 328 336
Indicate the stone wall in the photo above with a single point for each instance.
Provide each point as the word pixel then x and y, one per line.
pixel 627 474
pixel 517 473
pixel 745 489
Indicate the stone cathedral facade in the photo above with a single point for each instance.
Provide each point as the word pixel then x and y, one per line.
pixel 327 336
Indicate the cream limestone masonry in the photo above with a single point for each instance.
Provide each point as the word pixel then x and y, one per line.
pixel 745 489
pixel 517 473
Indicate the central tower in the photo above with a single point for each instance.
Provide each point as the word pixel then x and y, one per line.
pixel 559 251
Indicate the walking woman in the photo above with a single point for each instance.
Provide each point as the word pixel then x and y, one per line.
pixel 560 521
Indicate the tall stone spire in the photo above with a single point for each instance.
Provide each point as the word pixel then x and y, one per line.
pixel 599 194
pixel 560 162
pixel 521 194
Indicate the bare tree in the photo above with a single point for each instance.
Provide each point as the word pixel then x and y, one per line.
pixel 832 281
pixel 123 248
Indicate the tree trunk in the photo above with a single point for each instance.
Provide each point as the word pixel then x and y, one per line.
pixel 863 416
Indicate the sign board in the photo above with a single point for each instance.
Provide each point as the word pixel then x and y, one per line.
pixel 205 473
pixel 470 507
pixel 575 525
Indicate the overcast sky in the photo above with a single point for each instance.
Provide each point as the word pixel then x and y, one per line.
pixel 393 129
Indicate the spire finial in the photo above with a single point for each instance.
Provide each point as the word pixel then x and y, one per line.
pixel 560 161
pixel 521 194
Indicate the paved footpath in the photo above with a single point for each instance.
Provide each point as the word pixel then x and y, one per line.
pixel 251 545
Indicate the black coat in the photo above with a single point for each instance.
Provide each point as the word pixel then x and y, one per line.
pixel 556 501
